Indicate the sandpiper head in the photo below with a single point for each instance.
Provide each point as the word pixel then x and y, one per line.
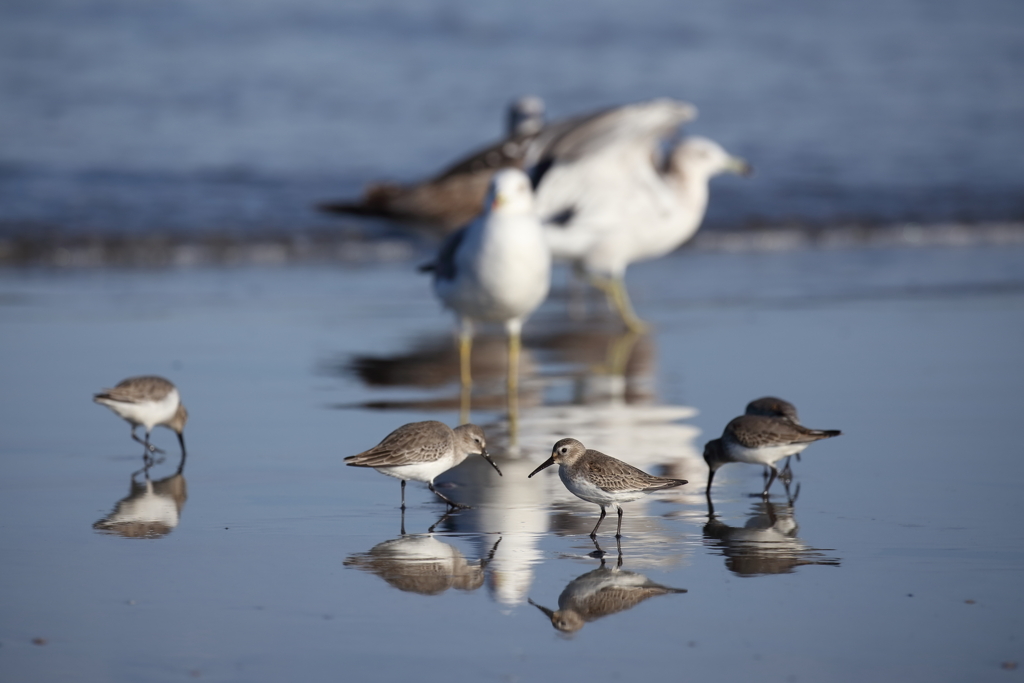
pixel 704 157
pixel 177 422
pixel 564 452
pixel 470 438
pixel 714 454
pixel 510 192
pixel 525 115
pixel 566 621
pixel 771 406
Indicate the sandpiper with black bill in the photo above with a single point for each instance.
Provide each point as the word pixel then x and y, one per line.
pixel 601 479
pixel 147 401
pixel 420 451
pixel 760 440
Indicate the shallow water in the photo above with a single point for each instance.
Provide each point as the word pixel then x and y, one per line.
pixel 900 556
pixel 189 116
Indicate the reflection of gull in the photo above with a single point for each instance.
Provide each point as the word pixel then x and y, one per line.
pixel 508 506
pixel 454 196
pixel 420 564
pixel 766 544
pixel 609 199
pixel 152 509
pixel 601 592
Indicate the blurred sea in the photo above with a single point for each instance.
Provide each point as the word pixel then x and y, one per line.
pixel 189 117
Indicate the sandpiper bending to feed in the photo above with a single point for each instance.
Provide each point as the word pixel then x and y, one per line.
pixel 147 401
pixel 420 451
pixel 760 440
pixel 601 479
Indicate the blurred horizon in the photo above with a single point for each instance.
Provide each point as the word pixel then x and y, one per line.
pixel 187 116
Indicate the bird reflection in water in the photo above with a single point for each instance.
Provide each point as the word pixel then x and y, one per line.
pixel 766 544
pixel 601 592
pixel 152 509
pixel 420 563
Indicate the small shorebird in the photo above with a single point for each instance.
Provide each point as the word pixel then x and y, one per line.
pixel 759 440
pixel 420 451
pixel 495 270
pixel 601 479
pixel 147 401
pixel 771 406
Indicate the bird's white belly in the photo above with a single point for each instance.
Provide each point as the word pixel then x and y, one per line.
pixel 146 413
pixel 420 471
pixel 765 455
pixel 584 489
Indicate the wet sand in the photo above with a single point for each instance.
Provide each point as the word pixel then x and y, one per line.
pixel 900 556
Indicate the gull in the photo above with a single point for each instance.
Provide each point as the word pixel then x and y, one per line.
pixel 454 196
pixel 601 479
pixel 608 196
pixel 495 270
pixel 759 440
pixel 420 451
pixel 148 401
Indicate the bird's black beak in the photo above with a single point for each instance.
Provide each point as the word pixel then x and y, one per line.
pixel 547 463
pixel 545 610
pixel 487 457
pixel 181 465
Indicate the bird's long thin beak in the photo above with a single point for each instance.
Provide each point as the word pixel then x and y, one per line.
pixel 181 440
pixel 545 610
pixel 739 166
pixel 487 457
pixel 547 463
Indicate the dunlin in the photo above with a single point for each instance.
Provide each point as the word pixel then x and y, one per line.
pixel 420 451
pixel 147 401
pixel 760 440
pixel 601 479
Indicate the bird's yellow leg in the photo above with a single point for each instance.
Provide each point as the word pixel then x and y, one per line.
pixel 514 349
pixel 615 289
pixel 465 375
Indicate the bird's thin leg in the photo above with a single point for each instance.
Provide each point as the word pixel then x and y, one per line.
pixel 403 499
pixel 150 447
pixel 512 400
pixel 771 479
pixel 403 520
pixel 457 506
pixel 465 373
pixel 618 529
pixel 593 534
pixel 615 288
pixel 433 526
pixel 618 546
pixel 598 553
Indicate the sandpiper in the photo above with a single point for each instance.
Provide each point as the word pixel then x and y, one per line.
pixel 601 479
pixel 760 440
pixel 147 401
pixel 496 270
pixel 420 451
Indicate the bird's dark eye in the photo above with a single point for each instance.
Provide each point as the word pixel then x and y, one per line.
pixel 564 450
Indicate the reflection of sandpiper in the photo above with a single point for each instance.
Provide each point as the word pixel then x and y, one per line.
pixel 766 544
pixel 152 508
pixel 759 440
pixel 422 450
pixel 601 479
pixel 598 593
pixel 419 563
pixel 147 401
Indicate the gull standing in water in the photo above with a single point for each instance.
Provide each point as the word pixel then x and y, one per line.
pixel 453 197
pixel 422 450
pixel 147 401
pixel 601 479
pixel 608 195
pixel 495 270
pixel 759 440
